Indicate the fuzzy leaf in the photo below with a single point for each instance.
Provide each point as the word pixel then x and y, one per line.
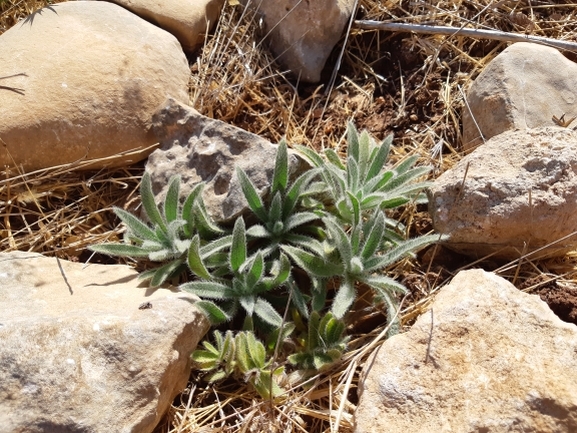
pixel 399 252
pixel 256 271
pixel 378 161
pixel 148 202
pixel 171 200
pixel 195 262
pixel 299 219
pixel 311 263
pixel 280 174
pixel 266 312
pixel 311 155
pixel 213 313
pixel 275 213
pixel 120 250
pixel 334 159
pixel 376 228
pixel 251 194
pixel 344 298
pixel 164 272
pixel 135 225
pixel 209 289
pixel 238 249
pixel 258 231
pixel 352 142
pixel 248 303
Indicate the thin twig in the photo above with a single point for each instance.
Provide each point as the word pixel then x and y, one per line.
pixel 473 33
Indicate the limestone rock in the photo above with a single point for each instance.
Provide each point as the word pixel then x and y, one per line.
pixel 523 87
pixel 81 352
pixel 202 149
pixel 485 358
pixel 91 76
pixel 517 192
pixel 302 34
pixel 188 21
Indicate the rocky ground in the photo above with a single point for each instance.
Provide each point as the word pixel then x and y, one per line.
pixel 412 86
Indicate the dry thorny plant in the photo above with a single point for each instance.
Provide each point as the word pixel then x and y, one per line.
pixel 406 84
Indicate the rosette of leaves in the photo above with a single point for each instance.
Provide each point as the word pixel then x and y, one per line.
pixel 363 182
pixel 281 221
pixel 168 235
pixel 250 279
pixel 239 355
pixel 323 344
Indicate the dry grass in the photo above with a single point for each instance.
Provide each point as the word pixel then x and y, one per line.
pixel 409 85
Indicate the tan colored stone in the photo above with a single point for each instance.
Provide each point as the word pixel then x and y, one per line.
pixel 523 87
pixel 201 149
pixel 486 358
pixel 80 353
pixel 302 34
pixel 188 21
pixel 515 194
pixel 93 74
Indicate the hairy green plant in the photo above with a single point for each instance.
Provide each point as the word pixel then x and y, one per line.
pixel 330 223
pixel 239 355
pixel 249 281
pixel 323 344
pixel 167 238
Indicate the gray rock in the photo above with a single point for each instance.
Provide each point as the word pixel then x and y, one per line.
pixel 91 76
pixel 81 352
pixel 485 358
pixel 523 87
pixel 302 34
pixel 202 149
pixel 188 21
pixel 516 193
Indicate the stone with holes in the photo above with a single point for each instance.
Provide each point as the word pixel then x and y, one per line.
pixel 202 149
pixel 484 358
pixel 86 349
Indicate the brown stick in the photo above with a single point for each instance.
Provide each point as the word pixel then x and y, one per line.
pixel 464 31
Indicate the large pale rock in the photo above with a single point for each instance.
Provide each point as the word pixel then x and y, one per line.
pixel 486 358
pixel 93 74
pixel 79 355
pixel 188 21
pixel 201 149
pixel 523 87
pixel 302 34
pixel 516 193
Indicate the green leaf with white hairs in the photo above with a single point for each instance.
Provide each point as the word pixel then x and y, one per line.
pixel 251 195
pixel 334 159
pixel 267 313
pixel 344 298
pixel 165 272
pixel 280 174
pixel 209 289
pixel 135 225
pixel 352 142
pixel 195 262
pixel 148 202
pixel 172 199
pixel 374 237
pixel 120 250
pixel 256 270
pixel 314 158
pixel 312 263
pixel 275 212
pixel 238 250
pixel 212 312
pixel 378 159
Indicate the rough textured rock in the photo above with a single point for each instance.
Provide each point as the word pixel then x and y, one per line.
pixel 523 87
pixel 517 192
pixel 188 21
pixel 202 149
pixel 486 358
pixel 79 355
pixel 302 34
pixel 92 75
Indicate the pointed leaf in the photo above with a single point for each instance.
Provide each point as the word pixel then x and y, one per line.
pixel 120 250
pixel 352 142
pixel 208 289
pixel 212 312
pixel 251 195
pixel 378 161
pixel 171 200
pixel 195 262
pixel 311 155
pixel 135 225
pixel 344 298
pixel 164 272
pixel 334 159
pixel 267 313
pixel 238 249
pixel 148 202
pixel 280 174
pixel 375 235
pixel 311 263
